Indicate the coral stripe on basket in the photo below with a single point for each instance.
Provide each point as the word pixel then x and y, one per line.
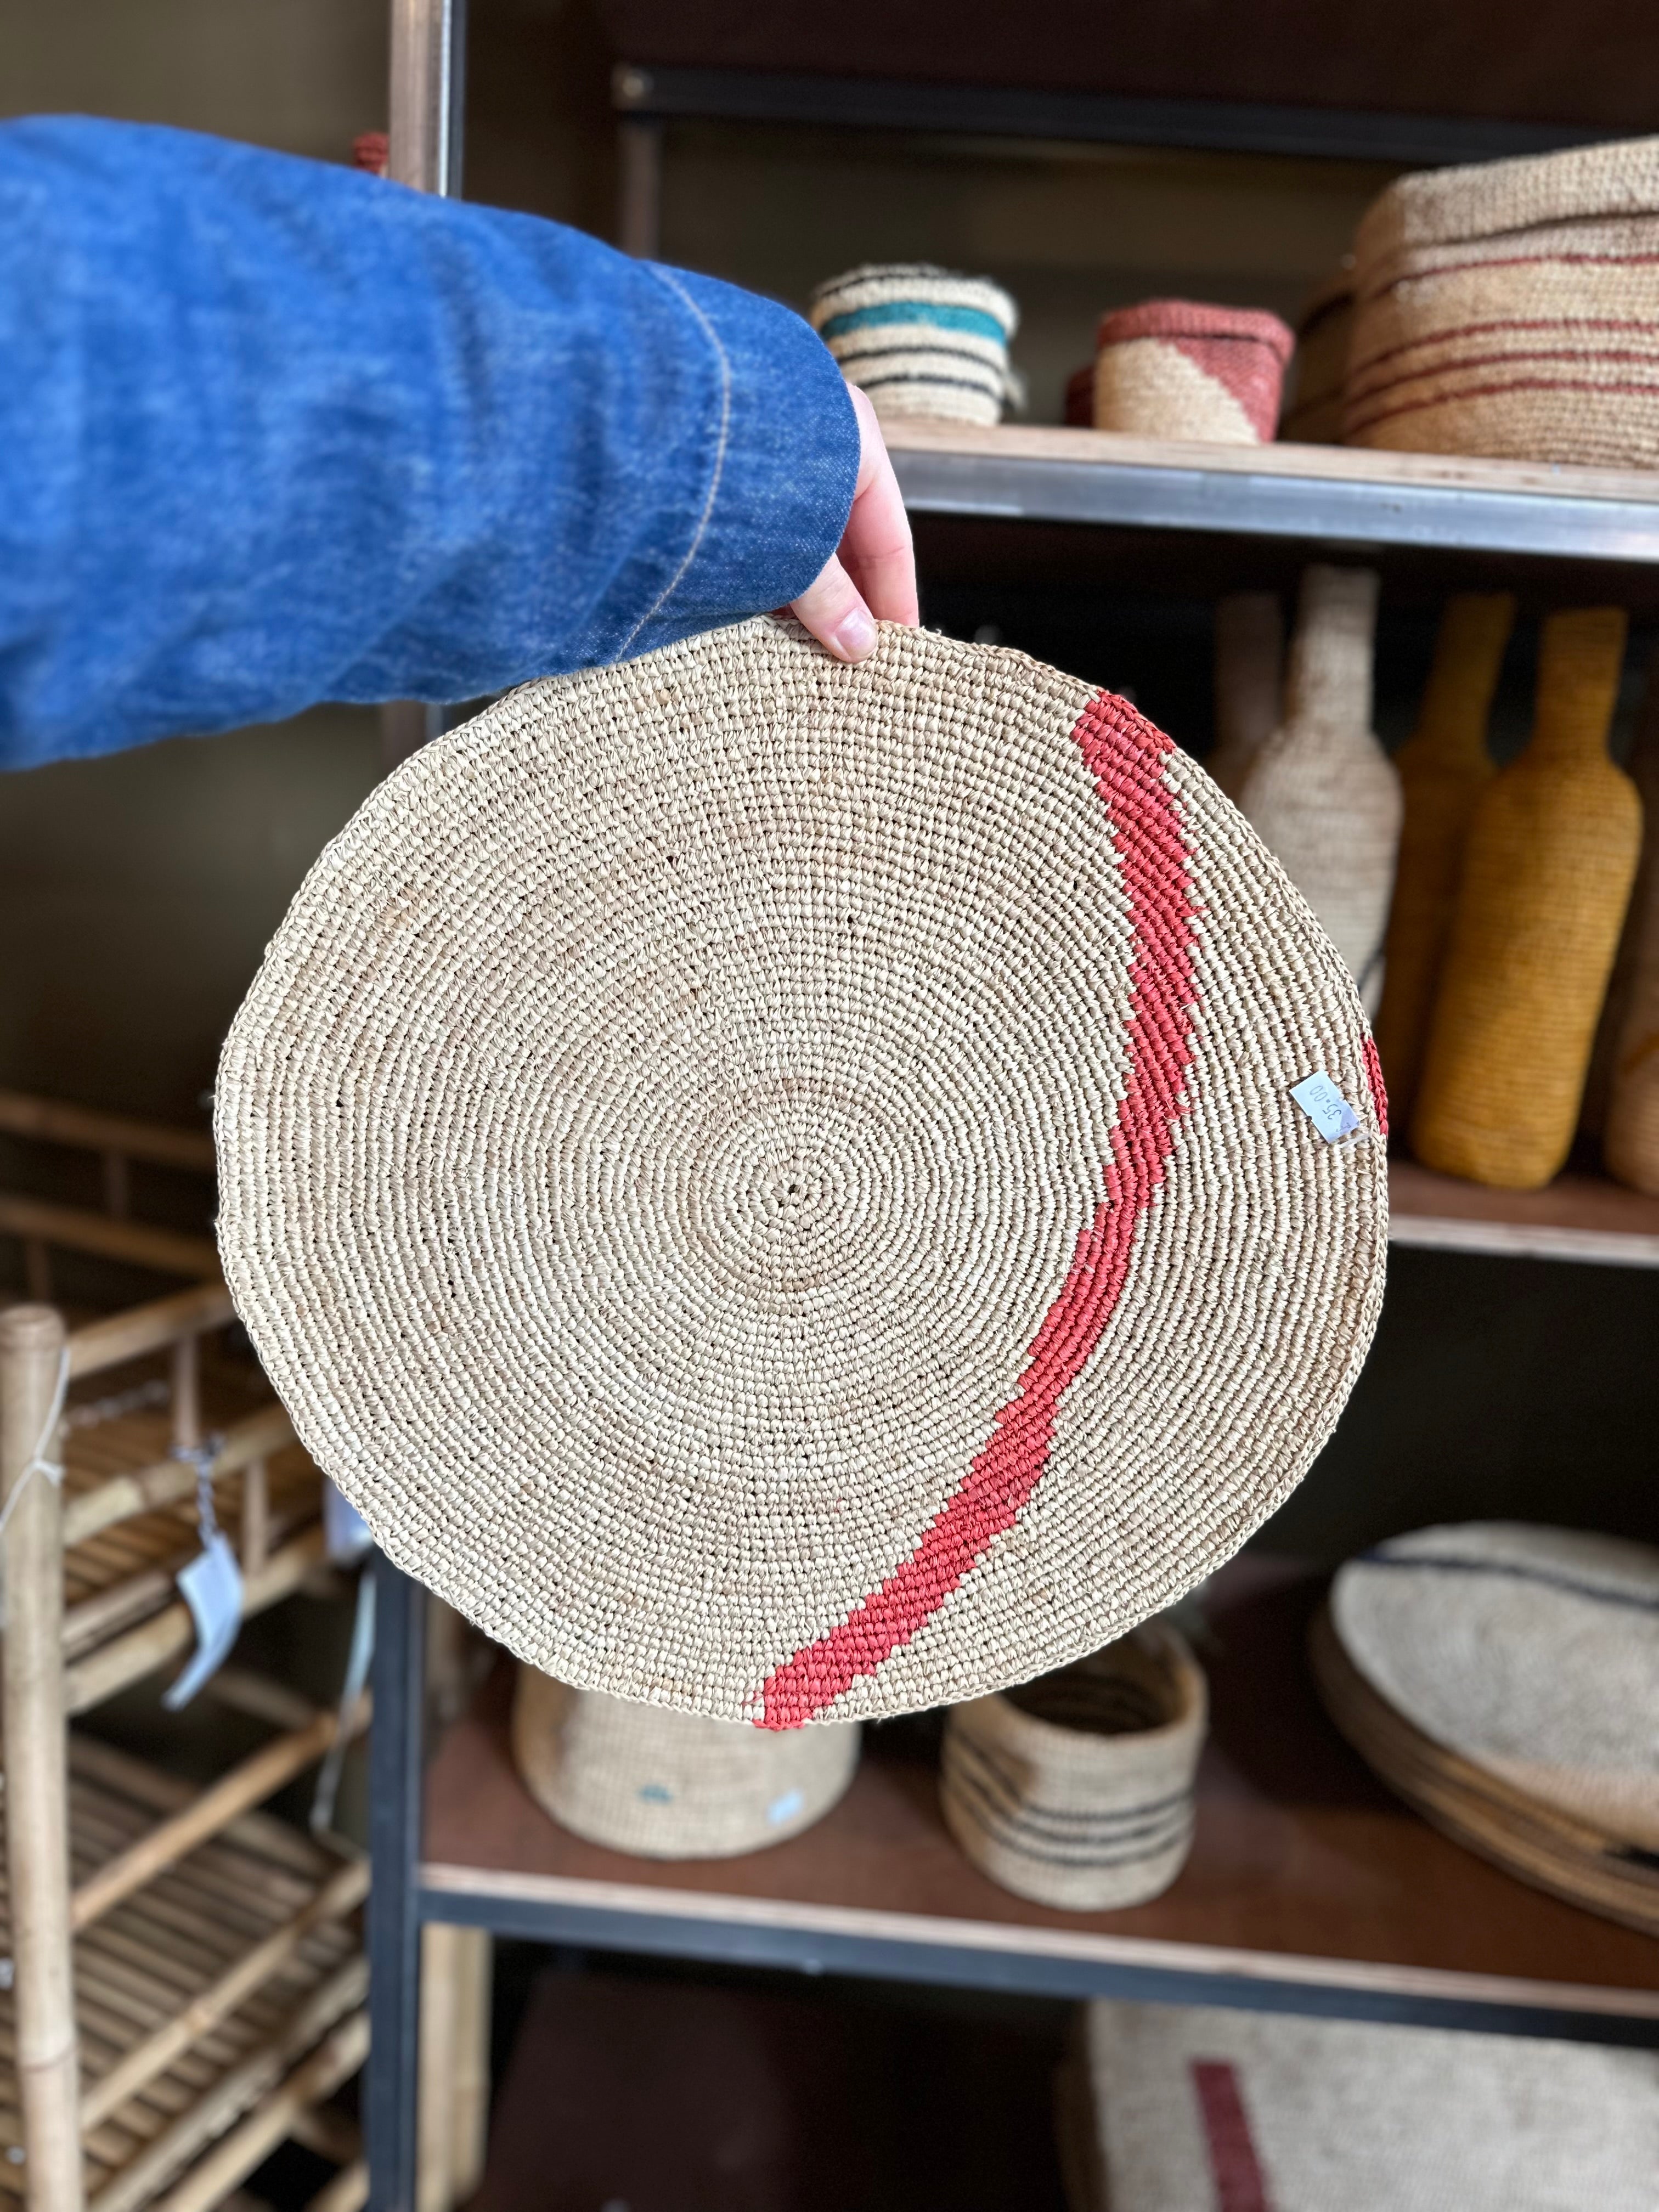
pixel 1123 752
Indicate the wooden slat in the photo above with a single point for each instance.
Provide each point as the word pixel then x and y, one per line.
pixel 129 1658
pixel 170 1481
pixel 135 1242
pixel 140 1329
pixel 54 1121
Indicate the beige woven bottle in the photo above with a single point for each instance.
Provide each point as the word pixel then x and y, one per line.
pixel 1630 1142
pixel 1322 793
pixel 1443 769
pixel 1249 650
pixel 1547 871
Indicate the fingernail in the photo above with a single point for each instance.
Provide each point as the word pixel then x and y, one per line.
pixel 855 634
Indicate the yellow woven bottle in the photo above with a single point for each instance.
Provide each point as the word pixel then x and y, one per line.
pixel 1249 652
pixel 1443 769
pixel 1630 1143
pixel 1547 870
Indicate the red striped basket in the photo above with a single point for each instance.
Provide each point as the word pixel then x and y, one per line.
pixel 1512 309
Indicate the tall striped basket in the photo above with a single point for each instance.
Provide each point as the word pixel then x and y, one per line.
pixel 1076 1790
pixel 1512 309
pixel 921 340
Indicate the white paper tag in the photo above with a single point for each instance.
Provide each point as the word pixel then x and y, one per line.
pixel 212 1588
pixel 1325 1106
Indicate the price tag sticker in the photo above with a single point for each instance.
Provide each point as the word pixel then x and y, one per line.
pixel 211 1586
pixel 1325 1106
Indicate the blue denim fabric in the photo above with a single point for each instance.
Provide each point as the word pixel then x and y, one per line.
pixel 273 432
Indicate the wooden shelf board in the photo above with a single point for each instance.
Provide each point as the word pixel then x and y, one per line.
pixel 1355 495
pixel 1308 1884
pixel 1577 1217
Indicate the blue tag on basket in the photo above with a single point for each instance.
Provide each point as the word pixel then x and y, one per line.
pixel 212 1589
pixel 1325 1106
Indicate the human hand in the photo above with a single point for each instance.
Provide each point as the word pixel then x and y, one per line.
pixel 871 578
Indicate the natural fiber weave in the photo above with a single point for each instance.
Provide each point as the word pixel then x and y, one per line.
pixel 1443 769
pixel 1631 1129
pixel 1249 652
pixel 1077 1790
pixel 1560 1852
pixel 672 1785
pixel 1512 309
pixel 1323 792
pixel 1198 2107
pixel 1532 1652
pixel 1179 368
pixel 921 340
pixel 1547 869
pixel 1313 415
pixel 773 1185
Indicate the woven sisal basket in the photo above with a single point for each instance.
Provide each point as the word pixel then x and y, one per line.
pixel 920 341
pixel 1194 2109
pixel 1512 309
pixel 1249 652
pixel 1443 769
pixel 1321 791
pixel 1178 368
pixel 1630 1133
pixel 1077 1790
pixel 775 1186
pixel 1313 413
pixel 1547 870
pixel 665 1785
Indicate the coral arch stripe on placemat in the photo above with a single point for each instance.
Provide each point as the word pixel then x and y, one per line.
pixel 1124 754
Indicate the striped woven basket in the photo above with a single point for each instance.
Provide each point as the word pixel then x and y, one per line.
pixel 1077 1790
pixel 1181 368
pixel 1512 309
pixel 921 340
pixel 665 1785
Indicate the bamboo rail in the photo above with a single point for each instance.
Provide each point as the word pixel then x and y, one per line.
pixel 246 1444
pixel 246 1785
pixel 32 1344
pixel 140 1329
pixel 129 1658
pixel 341 1894
pixel 53 1121
pixel 167 1250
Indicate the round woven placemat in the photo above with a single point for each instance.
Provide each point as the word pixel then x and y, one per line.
pixel 1531 1655
pixel 773 1186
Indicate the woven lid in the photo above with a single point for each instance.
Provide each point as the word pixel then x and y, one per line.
pixel 1195 318
pixel 1485 199
pixel 1533 1653
pixel 773 1186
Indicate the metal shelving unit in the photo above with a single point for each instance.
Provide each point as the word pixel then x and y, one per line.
pixel 1415 1928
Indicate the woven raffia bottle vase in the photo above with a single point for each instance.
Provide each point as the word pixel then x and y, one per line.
pixel 1630 1142
pixel 1547 871
pixel 1249 650
pixel 1443 769
pixel 1322 793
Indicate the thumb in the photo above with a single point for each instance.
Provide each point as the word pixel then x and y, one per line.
pixel 831 608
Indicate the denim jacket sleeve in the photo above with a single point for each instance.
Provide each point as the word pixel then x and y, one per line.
pixel 273 432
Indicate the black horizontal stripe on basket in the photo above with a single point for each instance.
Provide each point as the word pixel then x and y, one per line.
pixel 1632 1855
pixel 1446 1563
pixel 997 1778
pixel 961 383
pixel 1128 1850
pixel 1154 1830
